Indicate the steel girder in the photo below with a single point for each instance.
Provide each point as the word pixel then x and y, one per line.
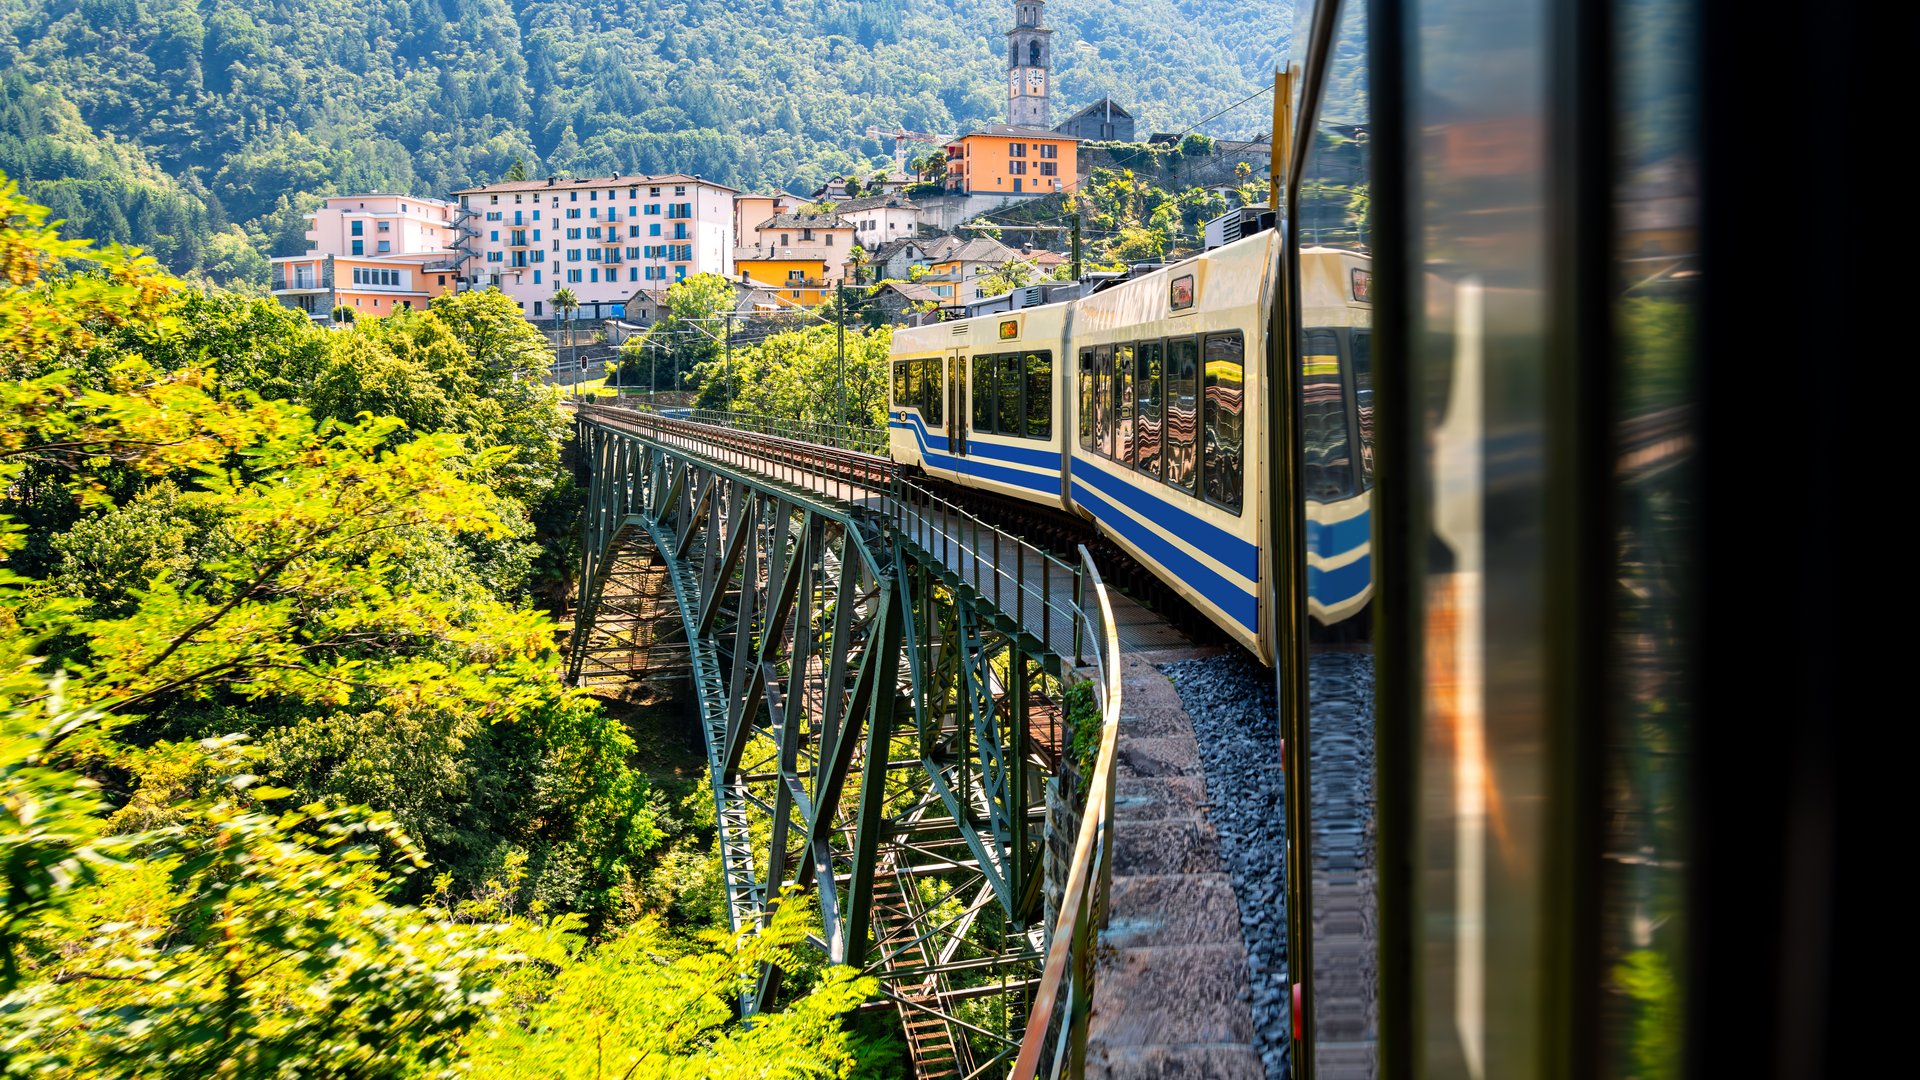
pixel 870 723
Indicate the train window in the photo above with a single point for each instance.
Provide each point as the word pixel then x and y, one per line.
pixel 1040 395
pixel 1360 345
pixel 1183 412
pixel 1150 396
pixel 916 384
pixel 935 391
pixel 1223 428
pixel 983 393
pixel 1326 470
pixel 1086 399
pixel 900 398
pixel 1123 403
pixel 1011 382
pixel 1103 397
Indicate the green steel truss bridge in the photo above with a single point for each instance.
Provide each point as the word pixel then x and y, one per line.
pixel 885 685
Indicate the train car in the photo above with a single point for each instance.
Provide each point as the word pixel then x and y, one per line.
pixel 1167 423
pixel 1139 408
pixel 978 402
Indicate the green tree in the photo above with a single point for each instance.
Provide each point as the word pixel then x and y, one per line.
pixel 690 333
pixel 516 172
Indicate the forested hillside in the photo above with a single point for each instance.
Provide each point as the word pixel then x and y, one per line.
pixel 253 107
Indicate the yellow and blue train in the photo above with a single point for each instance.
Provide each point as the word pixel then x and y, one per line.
pixel 1140 406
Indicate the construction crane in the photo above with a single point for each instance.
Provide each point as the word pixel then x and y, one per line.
pixel 901 137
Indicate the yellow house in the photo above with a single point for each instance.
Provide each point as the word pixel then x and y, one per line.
pixel 796 281
pixel 1001 159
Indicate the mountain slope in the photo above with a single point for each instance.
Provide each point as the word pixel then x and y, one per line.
pixel 265 101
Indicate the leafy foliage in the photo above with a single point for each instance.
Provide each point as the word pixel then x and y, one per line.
pixel 257 636
pixel 798 375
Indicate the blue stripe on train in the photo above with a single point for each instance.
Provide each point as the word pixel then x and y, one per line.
pixel 1241 556
pixel 1327 539
pixel 1040 483
pixel 1239 605
pixel 1019 455
pixel 1340 584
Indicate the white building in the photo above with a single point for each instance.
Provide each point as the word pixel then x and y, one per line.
pixel 880 220
pixel 603 238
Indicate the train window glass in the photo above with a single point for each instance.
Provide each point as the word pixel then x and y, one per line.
pixel 936 391
pixel 983 393
pixel 1086 399
pixel 916 384
pixel 900 383
pixel 1183 412
pixel 1149 394
pixel 1123 403
pixel 1360 346
pixel 1039 395
pixel 1326 470
pixel 1223 428
pixel 1103 397
pixel 1011 381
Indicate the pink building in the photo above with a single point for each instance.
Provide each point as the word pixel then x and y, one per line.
pixel 372 254
pixel 603 238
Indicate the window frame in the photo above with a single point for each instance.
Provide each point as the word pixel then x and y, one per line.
pixel 1238 507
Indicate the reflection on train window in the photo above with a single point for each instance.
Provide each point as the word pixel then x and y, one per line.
pixel 982 395
pixel 1040 395
pixel 1183 404
pixel 933 391
pixel 900 398
pixel 1326 471
pixel 1086 399
pixel 1010 383
pixel 1149 392
pixel 1223 430
pixel 916 385
pixel 1103 396
pixel 1123 403
pixel 1361 345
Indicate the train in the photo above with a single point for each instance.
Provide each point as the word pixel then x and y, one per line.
pixel 1139 407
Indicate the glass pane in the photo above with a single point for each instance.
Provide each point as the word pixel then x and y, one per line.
pixel 1011 378
pixel 1103 397
pixel 1362 350
pixel 983 394
pixel 1183 412
pixel 1224 430
pixel 1150 392
pixel 1123 404
pixel 1644 853
pixel 1327 467
pixel 1040 395
pixel 899 383
pixel 936 391
pixel 1086 399
pixel 915 397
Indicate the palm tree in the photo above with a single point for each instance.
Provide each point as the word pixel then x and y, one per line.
pixel 564 305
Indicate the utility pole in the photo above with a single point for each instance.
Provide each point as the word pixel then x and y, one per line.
pixel 1076 245
pixel 726 368
pixel 840 302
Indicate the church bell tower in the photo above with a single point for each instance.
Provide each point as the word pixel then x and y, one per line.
pixel 1029 66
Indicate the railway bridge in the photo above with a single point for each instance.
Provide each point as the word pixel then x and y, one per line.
pixel 912 717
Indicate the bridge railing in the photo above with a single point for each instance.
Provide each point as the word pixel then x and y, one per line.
pixel 852 438
pixel 1041 591
pixel 1055 1043
pixel 837 474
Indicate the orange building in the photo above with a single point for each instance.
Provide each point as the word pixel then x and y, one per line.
pixel 794 282
pixel 1005 160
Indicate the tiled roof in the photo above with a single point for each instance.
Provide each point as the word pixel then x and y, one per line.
pixel 873 202
pixel 568 183
pixel 1009 131
pixel 803 221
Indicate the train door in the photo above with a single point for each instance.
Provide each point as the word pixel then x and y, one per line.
pixel 957 403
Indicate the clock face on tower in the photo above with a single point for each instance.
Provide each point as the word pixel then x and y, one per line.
pixel 1015 84
pixel 1036 82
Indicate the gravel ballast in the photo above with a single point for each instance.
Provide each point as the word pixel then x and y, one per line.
pixel 1231 702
